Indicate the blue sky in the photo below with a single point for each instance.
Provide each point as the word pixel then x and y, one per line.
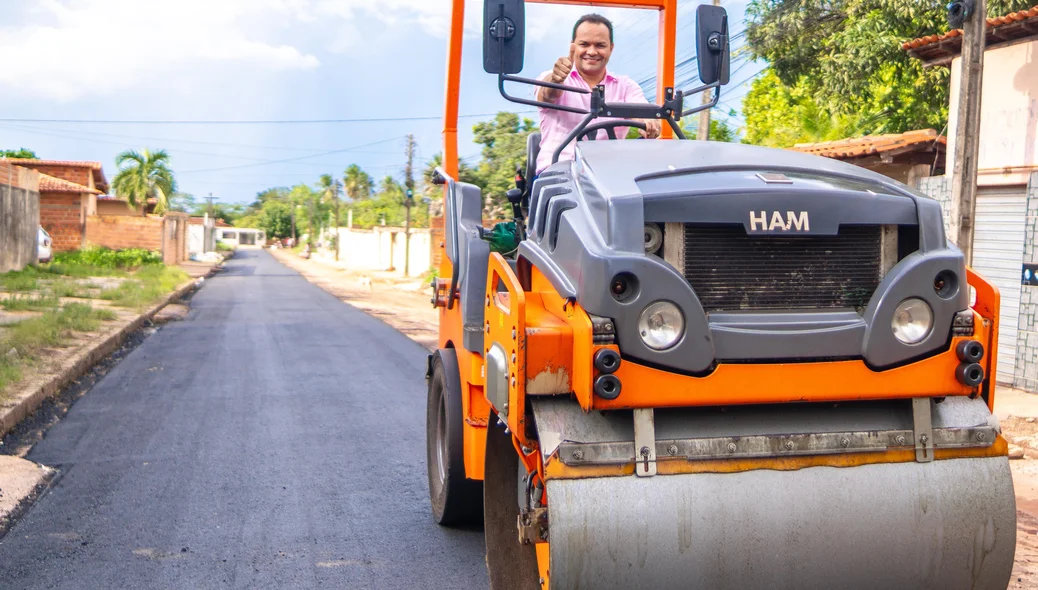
pixel 273 60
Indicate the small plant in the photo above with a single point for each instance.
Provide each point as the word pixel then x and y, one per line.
pixel 146 286
pixel 29 302
pixel 25 280
pixel 10 372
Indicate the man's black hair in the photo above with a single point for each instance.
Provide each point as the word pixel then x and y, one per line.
pixel 597 19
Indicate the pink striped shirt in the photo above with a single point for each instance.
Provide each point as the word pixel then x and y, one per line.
pixel 556 125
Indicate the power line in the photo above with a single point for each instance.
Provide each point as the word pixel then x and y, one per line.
pixel 173 139
pixel 79 137
pixel 244 121
pixel 285 160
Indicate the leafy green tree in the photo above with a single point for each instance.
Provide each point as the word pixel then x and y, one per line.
pixel 22 153
pixel 432 193
pixel 275 218
pixel 504 148
pixel 277 193
pixel 386 207
pixel 144 175
pixel 311 214
pixel 182 203
pixel 358 184
pixel 226 212
pixel 840 64
pixel 721 128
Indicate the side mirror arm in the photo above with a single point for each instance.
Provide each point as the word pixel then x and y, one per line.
pixel 501 78
pixel 709 105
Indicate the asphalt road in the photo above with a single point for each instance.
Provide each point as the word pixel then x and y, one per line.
pixel 273 439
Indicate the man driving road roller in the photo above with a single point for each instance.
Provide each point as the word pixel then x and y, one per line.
pixel 585 68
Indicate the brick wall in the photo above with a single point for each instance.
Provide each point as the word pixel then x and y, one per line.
pixel 123 231
pixel 61 214
pixel 174 238
pixel 19 216
pixel 77 174
pixel 1026 375
pixel 19 177
pixel 113 207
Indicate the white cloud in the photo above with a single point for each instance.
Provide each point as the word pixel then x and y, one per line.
pixel 81 48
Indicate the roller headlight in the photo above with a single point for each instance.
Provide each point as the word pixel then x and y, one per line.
pixel 912 322
pixel 661 325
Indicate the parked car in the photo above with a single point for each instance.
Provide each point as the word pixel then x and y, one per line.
pixel 43 248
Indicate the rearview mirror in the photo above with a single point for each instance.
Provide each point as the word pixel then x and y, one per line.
pixel 712 55
pixel 503 36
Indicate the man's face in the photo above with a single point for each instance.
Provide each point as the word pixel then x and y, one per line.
pixel 591 49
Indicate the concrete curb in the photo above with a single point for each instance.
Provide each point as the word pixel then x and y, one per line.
pixel 24 403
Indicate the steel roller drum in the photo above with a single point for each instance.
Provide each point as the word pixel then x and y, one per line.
pixel 946 524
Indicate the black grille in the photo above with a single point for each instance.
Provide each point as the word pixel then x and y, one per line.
pixel 732 271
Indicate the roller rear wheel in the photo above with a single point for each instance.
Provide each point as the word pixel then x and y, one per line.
pixel 455 499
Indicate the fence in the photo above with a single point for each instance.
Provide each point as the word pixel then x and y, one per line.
pixel 164 234
pixel 19 216
pixel 383 249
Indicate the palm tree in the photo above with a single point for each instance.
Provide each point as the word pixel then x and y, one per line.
pixel 330 187
pixel 358 183
pixel 142 176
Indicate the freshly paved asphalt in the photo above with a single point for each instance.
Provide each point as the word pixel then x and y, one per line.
pixel 273 439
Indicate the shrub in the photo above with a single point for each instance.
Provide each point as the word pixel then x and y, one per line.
pixel 127 259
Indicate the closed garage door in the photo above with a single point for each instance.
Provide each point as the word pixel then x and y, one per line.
pixel 998 253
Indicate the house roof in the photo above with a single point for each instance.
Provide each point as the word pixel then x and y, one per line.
pixel 890 144
pixel 99 174
pixel 52 184
pixel 940 49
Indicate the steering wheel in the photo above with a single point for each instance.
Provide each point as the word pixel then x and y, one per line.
pixel 590 132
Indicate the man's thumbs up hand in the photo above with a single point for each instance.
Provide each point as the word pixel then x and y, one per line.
pixel 563 66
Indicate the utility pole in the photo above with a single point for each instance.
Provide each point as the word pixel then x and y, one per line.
pixel 210 200
pixel 408 202
pixel 335 196
pixel 973 17
pixel 310 233
pixel 703 133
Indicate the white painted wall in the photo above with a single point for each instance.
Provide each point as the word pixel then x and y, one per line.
pixel 1008 115
pixel 231 236
pixel 382 249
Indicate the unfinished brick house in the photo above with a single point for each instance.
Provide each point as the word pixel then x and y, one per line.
pixel 68 195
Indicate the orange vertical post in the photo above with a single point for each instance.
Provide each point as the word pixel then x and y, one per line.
pixel 667 48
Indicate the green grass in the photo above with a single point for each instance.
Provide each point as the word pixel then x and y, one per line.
pixel 29 336
pixel 67 288
pixel 81 271
pixel 223 247
pixel 41 289
pixel 29 302
pixel 10 372
pixel 23 280
pixel 145 286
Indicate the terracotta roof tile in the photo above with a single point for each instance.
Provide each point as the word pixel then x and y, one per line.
pixel 868 145
pixel 51 184
pixel 72 163
pixel 99 173
pixel 992 23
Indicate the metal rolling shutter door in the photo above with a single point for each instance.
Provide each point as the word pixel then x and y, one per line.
pixel 998 252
